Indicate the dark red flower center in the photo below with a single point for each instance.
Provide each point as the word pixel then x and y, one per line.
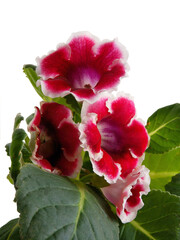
pixel 49 147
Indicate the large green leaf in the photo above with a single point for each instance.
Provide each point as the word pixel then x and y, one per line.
pixel 164 129
pixel 10 231
pixel 53 207
pixel 159 219
pixel 162 167
pixel 174 186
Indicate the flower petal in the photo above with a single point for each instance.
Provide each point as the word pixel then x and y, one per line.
pixel 35 121
pixel 81 49
pixel 126 195
pixel 54 113
pixel 68 137
pixel 54 64
pixel 110 79
pixel 107 53
pixel 90 137
pixel 99 107
pixel 57 87
pixel 81 94
pixel 122 109
pixel 138 138
pixel 127 163
pixel 69 168
pixel 107 167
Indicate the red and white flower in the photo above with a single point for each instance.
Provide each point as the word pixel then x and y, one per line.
pixel 83 67
pixel 55 140
pixel 126 194
pixel 113 137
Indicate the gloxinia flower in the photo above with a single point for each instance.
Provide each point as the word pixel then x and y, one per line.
pixel 113 137
pixel 126 194
pixel 83 67
pixel 55 138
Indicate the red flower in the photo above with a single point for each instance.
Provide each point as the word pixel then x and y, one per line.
pixel 83 67
pixel 126 194
pixel 114 139
pixel 56 140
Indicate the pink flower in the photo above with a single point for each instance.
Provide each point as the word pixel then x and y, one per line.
pixel 55 140
pixel 83 67
pixel 113 137
pixel 126 194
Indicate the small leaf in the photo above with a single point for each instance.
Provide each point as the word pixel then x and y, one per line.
pixel 29 118
pixel 18 120
pixel 26 154
pixel 30 71
pixel 7 148
pixel 164 129
pixel 75 106
pixel 10 231
pixel 162 167
pixel 174 186
pixel 94 180
pixel 53 207
pixel 159 219
pixel 15 152
pixel 86 162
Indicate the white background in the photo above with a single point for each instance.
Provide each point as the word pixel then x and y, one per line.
pixel 149 30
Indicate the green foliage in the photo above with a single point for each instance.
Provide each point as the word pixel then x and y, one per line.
pixel 174 186
pixel 162 167
pixel 158 220
pixel 10 231
pixel 18 120
pixel 164 129
pixel 17 150
pixel 163 155
pixel 30 71
pixel 29 118
pixel 53 207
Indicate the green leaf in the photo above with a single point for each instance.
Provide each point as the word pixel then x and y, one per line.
pixel 30 71
pixel 159 219
pixel 7 148
pixel 53 207
pixel 26 154
pixel 162 167
pixel 29 118
pixel 18 120
pixel 164 129
pixel 10 231
pixel 86 162
pixel 174 186
pixel 15 152
pixel 94 180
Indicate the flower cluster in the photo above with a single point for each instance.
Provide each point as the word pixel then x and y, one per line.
pixel 109 131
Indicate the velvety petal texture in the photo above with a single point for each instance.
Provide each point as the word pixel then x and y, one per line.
pixel 83 67
pixel 55 140
pixel 113 137
pixel 126 194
